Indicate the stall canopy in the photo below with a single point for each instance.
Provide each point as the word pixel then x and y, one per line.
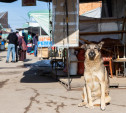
pixel 90 27
pixel 65 30
pixel 42 17
pixel 111 24
pixel 95 13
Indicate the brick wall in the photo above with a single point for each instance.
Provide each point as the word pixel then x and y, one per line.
pixel 84 7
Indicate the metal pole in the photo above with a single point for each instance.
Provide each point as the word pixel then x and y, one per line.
pixel 50 28
pixel 50 21
pixel 124 38
pixel 40 31
pixel 68 56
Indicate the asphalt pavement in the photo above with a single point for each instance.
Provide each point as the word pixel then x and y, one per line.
pixel 27 87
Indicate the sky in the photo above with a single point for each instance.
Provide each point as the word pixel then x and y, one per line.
pixel 17 14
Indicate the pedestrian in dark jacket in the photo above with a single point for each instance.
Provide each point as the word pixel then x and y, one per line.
pixel 13 40
pixel 35 44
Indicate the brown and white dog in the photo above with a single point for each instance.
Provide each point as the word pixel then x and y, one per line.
pixel 95 91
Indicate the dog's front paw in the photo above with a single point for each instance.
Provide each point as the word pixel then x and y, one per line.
pixel 103 108
pixel 82 104
pixel 89 106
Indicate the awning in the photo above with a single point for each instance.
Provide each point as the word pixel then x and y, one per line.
pixel 95 13
pixel 42 17
pixel 26 25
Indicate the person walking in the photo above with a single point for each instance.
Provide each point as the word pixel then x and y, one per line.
pixel 35 44
pixel 13 40
pixel 22 48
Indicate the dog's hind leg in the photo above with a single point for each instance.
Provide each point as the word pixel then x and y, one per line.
pixel 84 98
pixel 97 102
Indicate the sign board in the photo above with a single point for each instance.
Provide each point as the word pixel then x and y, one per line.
pixel 59 32
pixel 28 2
pixel 44 41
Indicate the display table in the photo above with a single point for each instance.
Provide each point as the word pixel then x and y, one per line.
pixel 120 60
pixel 123 60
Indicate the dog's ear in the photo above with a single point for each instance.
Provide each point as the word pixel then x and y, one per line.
pixel 84 46
pixel 100 44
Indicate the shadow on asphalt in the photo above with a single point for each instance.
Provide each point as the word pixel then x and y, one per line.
pixel 26 60
pixel 37 74
pixel 1 57
pixel 37 79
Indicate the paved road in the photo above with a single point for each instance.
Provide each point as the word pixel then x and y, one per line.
pixel 27 89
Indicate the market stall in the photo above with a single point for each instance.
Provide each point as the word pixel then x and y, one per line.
pixel 110 28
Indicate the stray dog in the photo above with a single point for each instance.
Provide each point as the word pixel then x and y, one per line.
pixel 95 91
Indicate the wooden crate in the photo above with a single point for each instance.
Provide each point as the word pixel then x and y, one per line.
pixel 43 52
pixel 39 52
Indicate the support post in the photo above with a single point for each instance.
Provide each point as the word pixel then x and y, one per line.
pixel 40 32
pixel 68 56
pixel 124 27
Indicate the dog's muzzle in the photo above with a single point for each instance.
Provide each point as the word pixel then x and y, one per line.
pixel 92 55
